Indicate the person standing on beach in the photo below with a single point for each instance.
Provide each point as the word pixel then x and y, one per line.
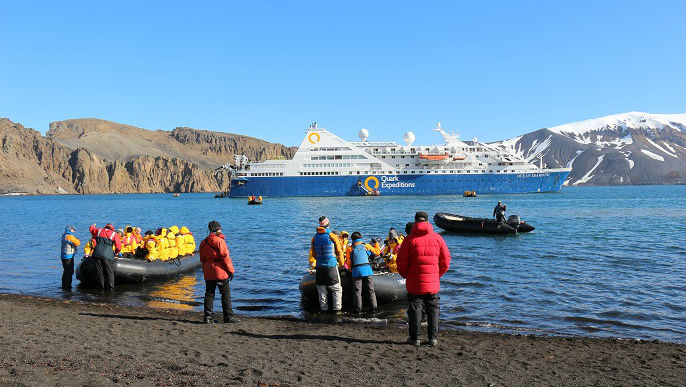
pixel 422 259
pixel 217 268
pixel 69 245
pixel 328 253
pixel 107 245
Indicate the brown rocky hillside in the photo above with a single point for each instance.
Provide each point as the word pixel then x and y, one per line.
pixel 96 156
pixel 112 141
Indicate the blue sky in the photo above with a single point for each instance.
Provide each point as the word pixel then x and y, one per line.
pixel 266 69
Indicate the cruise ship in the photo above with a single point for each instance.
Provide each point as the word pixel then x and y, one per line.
pixel 327 165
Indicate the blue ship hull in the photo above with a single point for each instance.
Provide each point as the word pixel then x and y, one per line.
pixel 429 184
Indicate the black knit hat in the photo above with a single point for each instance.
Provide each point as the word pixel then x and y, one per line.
pixel 214 226
pixel 421 216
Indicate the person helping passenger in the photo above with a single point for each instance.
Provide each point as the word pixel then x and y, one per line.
pixel 327 252
pixel 69 245
pixel 107 245
pixel 357 259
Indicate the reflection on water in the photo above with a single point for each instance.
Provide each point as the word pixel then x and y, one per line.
pixel 177 294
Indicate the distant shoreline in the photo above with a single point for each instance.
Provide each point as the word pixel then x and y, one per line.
pixel 12 194
pixel 105 344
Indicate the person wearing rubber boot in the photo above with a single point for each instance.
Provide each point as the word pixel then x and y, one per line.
pixel 357 259
pixel 328 254
pixel 69 245
pixel 218 271
pixel 422 259
pixel 107 245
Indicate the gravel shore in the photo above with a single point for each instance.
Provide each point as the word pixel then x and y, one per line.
pixel 56 342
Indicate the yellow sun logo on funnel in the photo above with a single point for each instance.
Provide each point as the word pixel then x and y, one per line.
pixel 313 138
pixel 371 179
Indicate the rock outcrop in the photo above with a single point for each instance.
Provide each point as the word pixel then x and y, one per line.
pixel 126 159
pixel 113 141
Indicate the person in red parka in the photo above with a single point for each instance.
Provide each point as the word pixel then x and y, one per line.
pixel 217 269
pixel 107 245
pixel 422 259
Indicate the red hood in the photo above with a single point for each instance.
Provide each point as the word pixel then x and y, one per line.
pixel 422 228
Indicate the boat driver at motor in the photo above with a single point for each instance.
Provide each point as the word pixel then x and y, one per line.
pixel 499 212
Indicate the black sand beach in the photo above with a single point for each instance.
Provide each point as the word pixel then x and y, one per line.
pixel 56 342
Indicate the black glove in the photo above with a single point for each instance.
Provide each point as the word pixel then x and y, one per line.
pixel 230 276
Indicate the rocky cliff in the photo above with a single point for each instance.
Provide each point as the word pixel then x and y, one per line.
pixel 113 141
pixel 95 156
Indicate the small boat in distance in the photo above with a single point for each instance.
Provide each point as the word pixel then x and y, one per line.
pixel 465 224
pixel 469 194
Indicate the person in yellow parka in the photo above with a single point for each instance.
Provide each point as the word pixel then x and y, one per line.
pixel 129 243
pixel 172 251
pixel 88 248
pixel 188 240
pixel 390 250
pixel 150 243
pixel 162 244
pixel 179 241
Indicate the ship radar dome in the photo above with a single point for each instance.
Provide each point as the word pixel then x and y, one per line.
pixel 408 138
pixel 363 134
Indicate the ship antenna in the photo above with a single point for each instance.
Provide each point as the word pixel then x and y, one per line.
pixel 448 138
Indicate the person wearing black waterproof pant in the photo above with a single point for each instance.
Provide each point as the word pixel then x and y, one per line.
pixel 69 245
pixel 107 245
pixel 217 270
pixel 357 258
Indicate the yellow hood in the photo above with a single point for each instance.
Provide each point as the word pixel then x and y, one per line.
pixel 174 229
pixel 185 230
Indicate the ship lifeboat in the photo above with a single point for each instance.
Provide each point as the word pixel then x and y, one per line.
pixel 431 157
pixel 459 157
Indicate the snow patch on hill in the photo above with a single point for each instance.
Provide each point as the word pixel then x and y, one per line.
pixel 624 121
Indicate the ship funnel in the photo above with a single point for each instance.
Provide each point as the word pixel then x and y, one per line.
pixel 408 138
pixel 363 134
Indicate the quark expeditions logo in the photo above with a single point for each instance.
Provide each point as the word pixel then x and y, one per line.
pixel 371 179
pixel 386 182
pixel 313 137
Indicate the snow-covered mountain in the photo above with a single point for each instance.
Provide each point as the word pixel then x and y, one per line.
pixel 628 148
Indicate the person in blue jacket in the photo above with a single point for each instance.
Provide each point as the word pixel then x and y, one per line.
pixel 69 245
pixel 357 257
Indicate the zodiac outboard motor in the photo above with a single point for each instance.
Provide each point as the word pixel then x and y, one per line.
pixel 514 221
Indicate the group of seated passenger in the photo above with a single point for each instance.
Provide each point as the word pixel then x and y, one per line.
pixel 253 198
pixel 380 258
pixel 163 244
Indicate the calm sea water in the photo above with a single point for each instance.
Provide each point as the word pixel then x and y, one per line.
pixel 603 261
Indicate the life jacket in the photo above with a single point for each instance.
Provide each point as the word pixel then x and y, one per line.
pixel 69 245
pixel 324 248
pixel 104 244
pixel 150 244
pixel 359 259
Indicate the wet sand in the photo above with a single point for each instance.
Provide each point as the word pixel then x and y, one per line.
pixel 57 342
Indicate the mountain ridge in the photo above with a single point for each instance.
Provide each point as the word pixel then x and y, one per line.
pixel 620 149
